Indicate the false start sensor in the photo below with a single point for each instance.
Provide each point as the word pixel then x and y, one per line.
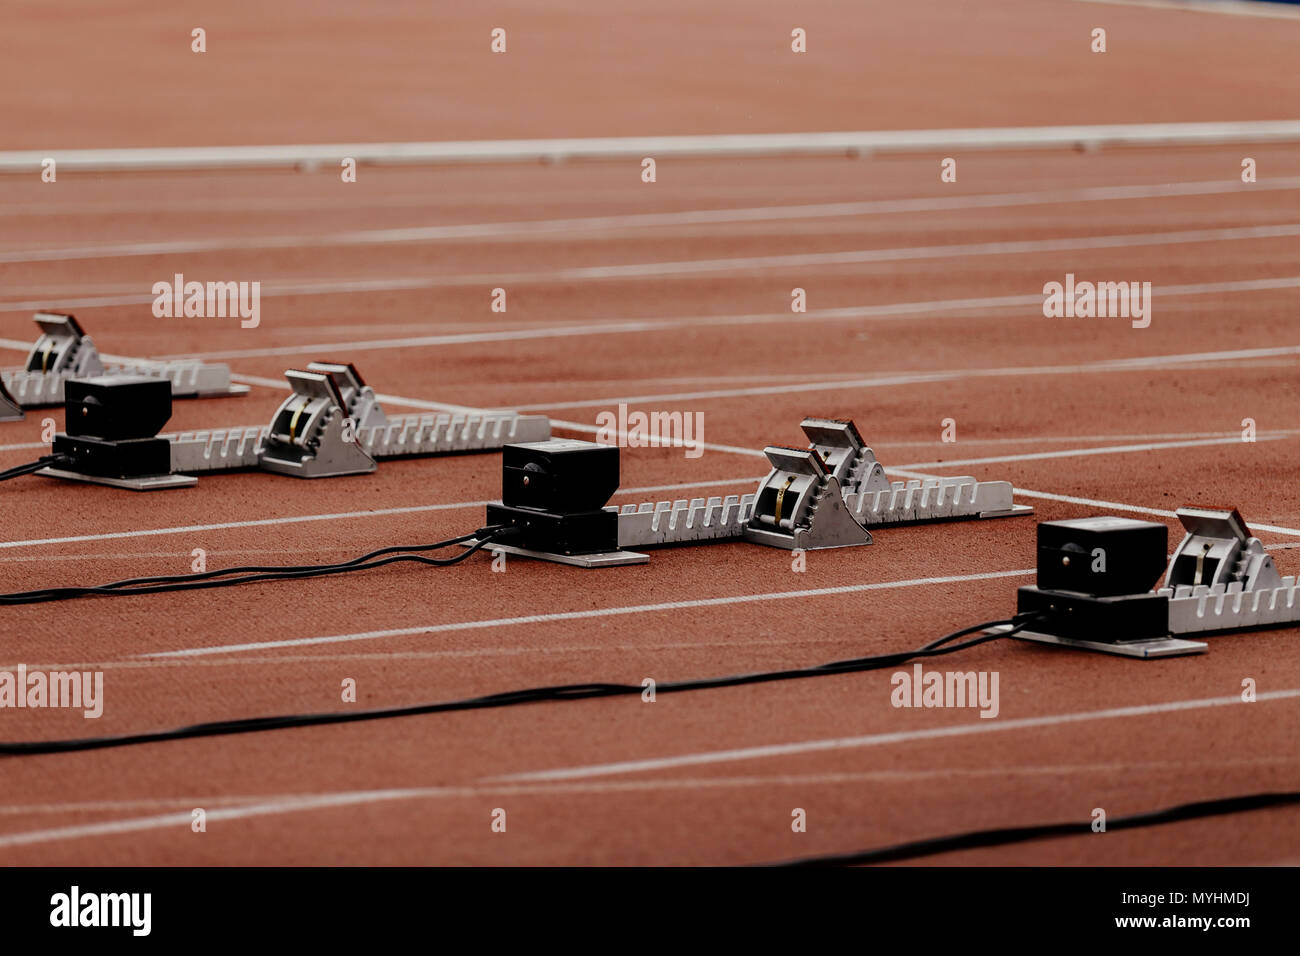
pixel 1095 580
pixel 555 492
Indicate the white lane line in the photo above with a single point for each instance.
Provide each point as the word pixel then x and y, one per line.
pixel 1139 363
pixel 585 614
pixel 980 727
pixel 615 327
pixel 1084 452
pixel 568 227
pixel 746 264
pixel 255 805
pixel 637 326
pixel 838 142
pixel 335 516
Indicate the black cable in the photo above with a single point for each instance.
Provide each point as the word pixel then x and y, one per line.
pixel 45 461
pixel 253 574
pixel 510 698
pixel 1004 836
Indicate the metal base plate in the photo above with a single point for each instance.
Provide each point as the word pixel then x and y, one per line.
pixel 147 483
pixel 1156 647
pixel 228 390
pixel 607 559
pixel 1015 511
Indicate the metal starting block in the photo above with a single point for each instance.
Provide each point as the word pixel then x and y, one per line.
pixel 824 496
pixel 331 425
pixel 64 351
pixel 1219 580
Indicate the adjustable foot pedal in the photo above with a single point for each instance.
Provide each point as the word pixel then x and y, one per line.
pixel 64 352
pixel 307 434
pixel 1095 576
pixel 800 505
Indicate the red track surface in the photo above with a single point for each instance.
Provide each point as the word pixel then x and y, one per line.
pixel 421 790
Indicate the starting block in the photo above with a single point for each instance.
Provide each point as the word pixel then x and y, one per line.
pixel 331 424
pixel 823 496
pixel 1219 580
pixel 64 352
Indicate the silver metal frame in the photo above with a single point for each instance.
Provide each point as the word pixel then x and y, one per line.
pixel 605 559
pixel 147 483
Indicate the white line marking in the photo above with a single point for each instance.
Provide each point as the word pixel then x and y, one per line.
pixel 255 805
pixel 335 516
pixel 740 264
pixel 1084 452
pixel 624 147
pixel 635 326
pixel 568 227
pixel 1139 363
pixel 875 740
pixel 584 615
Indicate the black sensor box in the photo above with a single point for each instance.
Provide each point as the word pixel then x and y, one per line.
pixel 103 458
pixel 584 532
pixel 554 492
pixel 559 476
pixel 117 407
pixel 1102 556
pixel 1086 617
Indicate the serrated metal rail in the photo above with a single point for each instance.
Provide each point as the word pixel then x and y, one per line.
pixel 30 389
pixel 438 434
pixel 221 449
pixel 1202 608
pixel 930 499
pixel 683 521
pixel 228 449
pixel 711 519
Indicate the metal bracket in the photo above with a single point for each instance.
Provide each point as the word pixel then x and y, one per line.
pixel 64 351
